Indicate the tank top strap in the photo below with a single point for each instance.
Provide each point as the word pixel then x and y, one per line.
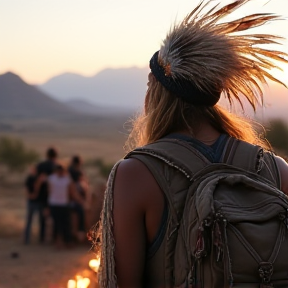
pixel 212 152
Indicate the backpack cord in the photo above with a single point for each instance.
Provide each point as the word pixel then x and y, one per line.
pixel 227 265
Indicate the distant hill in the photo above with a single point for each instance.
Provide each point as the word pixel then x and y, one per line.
pixel 85 107
pixel 275 105
pixel 123 88
pixel 112 92
pixel 19 99
pixel 24 108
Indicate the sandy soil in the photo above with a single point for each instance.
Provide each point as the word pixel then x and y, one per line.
pixel 35 265
pixel 42 266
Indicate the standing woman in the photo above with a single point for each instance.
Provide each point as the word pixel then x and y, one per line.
pixel 75 167
pixel 58 200
pixel 200 59
pixel 80 206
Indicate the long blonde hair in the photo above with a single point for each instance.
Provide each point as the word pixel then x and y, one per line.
pixel 166 113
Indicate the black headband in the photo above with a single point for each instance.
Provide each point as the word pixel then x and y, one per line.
pixel 183 88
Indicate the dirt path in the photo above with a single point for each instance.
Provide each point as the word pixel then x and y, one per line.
pixel 42 266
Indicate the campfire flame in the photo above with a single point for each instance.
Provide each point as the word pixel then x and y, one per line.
pixel 79 282
pixel 84 282
pixel 94 264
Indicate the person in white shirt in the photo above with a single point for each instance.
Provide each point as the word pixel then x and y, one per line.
pixel 58 201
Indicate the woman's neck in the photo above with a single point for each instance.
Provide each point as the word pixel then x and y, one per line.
pixel 205 133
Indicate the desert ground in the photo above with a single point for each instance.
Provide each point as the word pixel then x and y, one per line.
pixel 43 266
pixel 40 266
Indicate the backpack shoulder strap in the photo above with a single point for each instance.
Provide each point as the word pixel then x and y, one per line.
pixel 175 153
pixel 251 158
pixel 241 154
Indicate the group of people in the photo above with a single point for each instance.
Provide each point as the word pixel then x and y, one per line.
pixel 60 194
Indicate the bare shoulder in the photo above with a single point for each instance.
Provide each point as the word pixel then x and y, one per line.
pixel 133 166
pixel 283 169
pixel 132 170
pixel 282 165
pixel 134 179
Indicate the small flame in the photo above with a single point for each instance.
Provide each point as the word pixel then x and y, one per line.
pixel 80 282
pixel 94 264
pixel 71 284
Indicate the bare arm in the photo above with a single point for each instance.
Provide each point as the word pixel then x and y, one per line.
pixel 86 189
pixel 29 195
pixel 40 179
pixel 137 212
pixel 73 193
pixel 283 169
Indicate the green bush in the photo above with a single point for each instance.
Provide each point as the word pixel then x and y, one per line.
pixel 277 135
pixel 103 168
pixel 14 155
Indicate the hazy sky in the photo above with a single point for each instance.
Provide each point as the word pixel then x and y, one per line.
pixel 43 38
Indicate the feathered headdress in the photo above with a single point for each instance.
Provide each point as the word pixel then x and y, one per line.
pixel 202 57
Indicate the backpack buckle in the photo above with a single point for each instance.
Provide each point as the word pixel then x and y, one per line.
pixel 265 272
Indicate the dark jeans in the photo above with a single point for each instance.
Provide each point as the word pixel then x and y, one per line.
pixel 32 208
pixel 61 221
pixel 78 209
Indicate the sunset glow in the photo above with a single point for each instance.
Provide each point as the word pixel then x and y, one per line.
pixel 281 75
pixel 42 39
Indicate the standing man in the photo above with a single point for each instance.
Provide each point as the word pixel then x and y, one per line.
pixel 33 205
pixel 43 170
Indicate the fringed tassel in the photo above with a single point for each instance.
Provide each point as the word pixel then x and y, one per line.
pixel 218 241
pixel 103 239
pixel 200 245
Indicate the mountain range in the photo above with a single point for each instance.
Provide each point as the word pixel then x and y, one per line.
pixel 19 99
pixel 122 88
pixel 125 88
pixel 26 108
pixel 110 92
